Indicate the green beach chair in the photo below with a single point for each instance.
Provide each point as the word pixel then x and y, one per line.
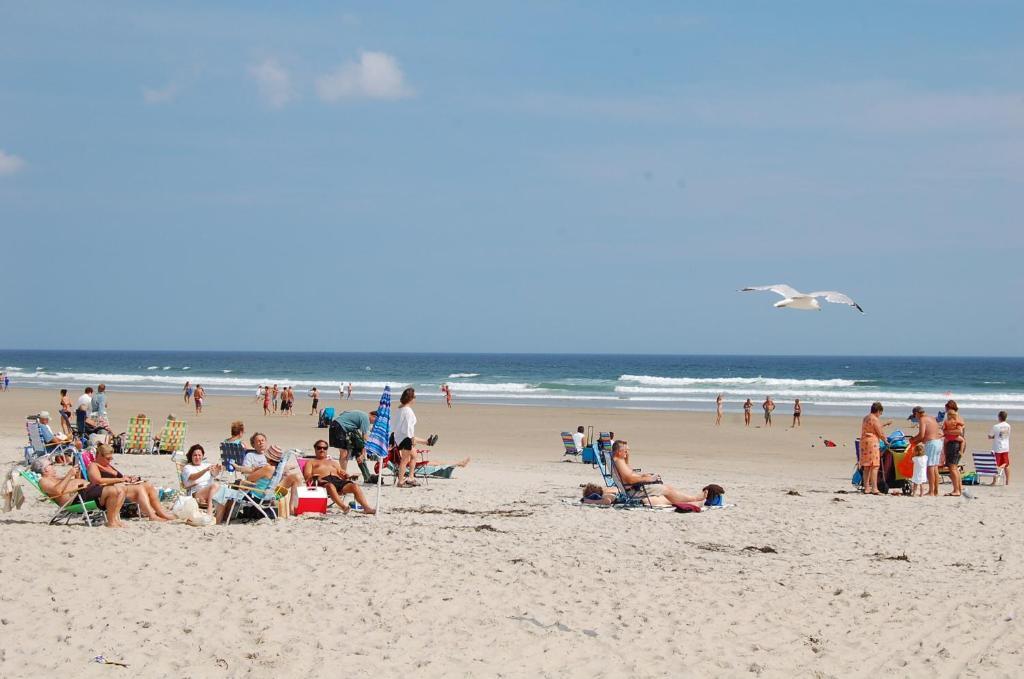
pixel 138 437
pixel 172 438
pixel 89 512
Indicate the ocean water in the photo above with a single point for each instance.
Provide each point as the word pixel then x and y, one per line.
pixel 825 384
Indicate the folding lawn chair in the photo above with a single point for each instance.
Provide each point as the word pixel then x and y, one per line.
pixel 83 458
pixel 35 438
pixel 138 437
pixel 630 495
pixel 89 512
pixel 233 452
pixel 172 438
pixel 985 465
pixel 569 445
pixel 263 496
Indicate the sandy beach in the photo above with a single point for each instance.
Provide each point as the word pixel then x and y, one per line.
pixel 498 573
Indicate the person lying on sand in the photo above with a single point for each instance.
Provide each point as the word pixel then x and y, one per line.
pixel 102 473
pixel 594 494
pixel 331 476
pixel 65 489
pixel 656 495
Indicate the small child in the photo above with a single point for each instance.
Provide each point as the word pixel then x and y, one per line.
pixel 920 477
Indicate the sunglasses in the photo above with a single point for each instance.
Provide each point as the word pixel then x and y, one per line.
pixel 319 447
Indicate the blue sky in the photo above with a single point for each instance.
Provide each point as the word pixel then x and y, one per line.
pixel 568 177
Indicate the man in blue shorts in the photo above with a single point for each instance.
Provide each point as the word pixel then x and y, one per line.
pixel 930 434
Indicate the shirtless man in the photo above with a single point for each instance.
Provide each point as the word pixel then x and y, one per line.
pixel 657 495
pixel 930 434
pixel 769 406
pixel 65 490
pixel 332 477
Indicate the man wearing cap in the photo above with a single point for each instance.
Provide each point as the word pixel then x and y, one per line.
pixel 930 434
pixel 50 440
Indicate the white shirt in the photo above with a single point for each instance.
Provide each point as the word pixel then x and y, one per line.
pixel 203 480
pixel 577 440
pixel 84 403
pixel 254 460
pixel 1000 437
pixel 404 425
pixel 920 469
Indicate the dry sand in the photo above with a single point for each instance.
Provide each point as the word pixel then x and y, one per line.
pixel 492 574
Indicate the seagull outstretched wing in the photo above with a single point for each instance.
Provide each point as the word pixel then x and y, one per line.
pixel 779 289
pixel 836 298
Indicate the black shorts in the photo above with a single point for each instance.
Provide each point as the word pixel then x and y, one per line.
pixel 336 481
pixel 315 402
pixel 406 444
pixel 952 449
pixel 92 492
pixel 337 437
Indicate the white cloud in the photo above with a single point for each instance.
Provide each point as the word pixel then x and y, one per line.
pixel 10 163
pixel 274 82
pixel 160 95
pixel 376 75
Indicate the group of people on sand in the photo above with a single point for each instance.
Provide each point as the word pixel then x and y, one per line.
pixel 935 446
pixel 768 406
pixel 273 396
pixel 195 394
pixel 200 478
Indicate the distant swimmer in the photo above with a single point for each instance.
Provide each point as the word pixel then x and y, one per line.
pixel 805 301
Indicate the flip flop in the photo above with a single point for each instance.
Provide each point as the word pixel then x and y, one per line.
pixel 432 439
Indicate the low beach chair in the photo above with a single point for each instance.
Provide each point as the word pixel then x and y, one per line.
pixel 569 445
pixel 35 439
pixel 139 436
pixel 89 512
pixel 604 465
pixel 172 438
pixel 262 496
pixel 630 495
pixel 233 452
pixel 985 465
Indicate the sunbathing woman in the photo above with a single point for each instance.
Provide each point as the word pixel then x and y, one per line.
pixel 66 489
pixel 594 494
pixel 647 487
pixel 102 473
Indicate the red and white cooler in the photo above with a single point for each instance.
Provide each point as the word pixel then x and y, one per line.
pixel 312 500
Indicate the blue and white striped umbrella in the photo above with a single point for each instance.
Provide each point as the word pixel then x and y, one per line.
pixel 377 442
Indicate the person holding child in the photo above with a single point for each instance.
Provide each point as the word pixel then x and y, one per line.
pixel 954 445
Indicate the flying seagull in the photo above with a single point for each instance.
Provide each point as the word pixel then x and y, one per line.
pixel 805 301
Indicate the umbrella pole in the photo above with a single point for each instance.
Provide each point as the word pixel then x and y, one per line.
pixel 380 483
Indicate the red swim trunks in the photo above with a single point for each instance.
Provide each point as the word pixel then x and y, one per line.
pixel 1002 459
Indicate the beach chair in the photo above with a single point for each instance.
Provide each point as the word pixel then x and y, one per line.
pixel 604 465
pixel 138 437
pixel 233 452
pixel 89 512
pixel 172 438
pixel 263 496
pixel 985 465
pixel 631 495
pixel 35 439
pixel 569 445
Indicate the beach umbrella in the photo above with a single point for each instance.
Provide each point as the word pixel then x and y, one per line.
pixel 377 443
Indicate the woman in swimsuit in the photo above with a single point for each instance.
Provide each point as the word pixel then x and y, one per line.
pixel 188 391
pixel 954 445
pixel 747 407
pixel 797 410
pixel 69 488
pixel 718 410
pixel 102 473
pixel 65 409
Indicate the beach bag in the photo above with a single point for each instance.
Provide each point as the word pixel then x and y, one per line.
pixel 970 479
pixel 858 477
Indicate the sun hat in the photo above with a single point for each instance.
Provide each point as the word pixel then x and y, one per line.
pixel 273 454
pixel 43 414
